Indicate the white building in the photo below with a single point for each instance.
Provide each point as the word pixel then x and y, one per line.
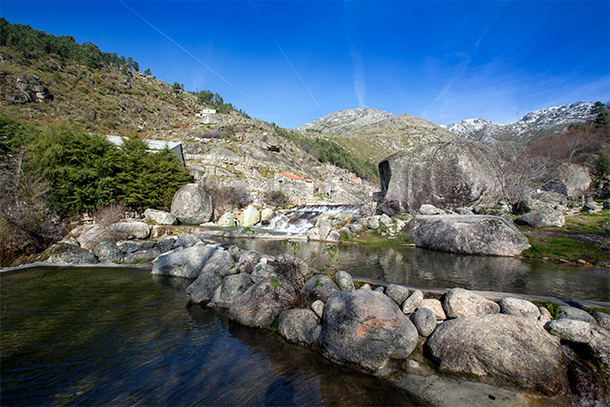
pixel 155 145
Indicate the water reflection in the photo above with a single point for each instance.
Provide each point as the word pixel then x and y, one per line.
pixel 429 268
pixel 121 336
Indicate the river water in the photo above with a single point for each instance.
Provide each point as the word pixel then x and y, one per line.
pixel 427 268
pixel 104 336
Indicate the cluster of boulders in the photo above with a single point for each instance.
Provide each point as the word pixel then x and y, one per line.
pixel 377 331
pixel 126 242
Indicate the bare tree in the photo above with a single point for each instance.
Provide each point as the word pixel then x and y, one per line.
pixel 27 224
pixel 517 170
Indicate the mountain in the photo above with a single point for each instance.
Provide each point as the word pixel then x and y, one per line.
pixel 373 134
pixel 532 127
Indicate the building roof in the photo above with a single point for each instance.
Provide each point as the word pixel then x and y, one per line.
pixel 152 144
pixel 294 177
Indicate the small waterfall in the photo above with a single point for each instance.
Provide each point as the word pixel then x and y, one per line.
pixel 302 218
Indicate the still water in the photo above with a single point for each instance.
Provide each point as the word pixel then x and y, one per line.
pixel 427 268
pixel 84 336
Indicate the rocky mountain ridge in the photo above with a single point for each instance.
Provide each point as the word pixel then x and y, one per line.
pixel 528 129
pixel 374 134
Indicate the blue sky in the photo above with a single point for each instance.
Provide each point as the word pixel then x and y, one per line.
pixel 290 62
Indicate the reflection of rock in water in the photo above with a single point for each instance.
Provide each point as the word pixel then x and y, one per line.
pixel 471 272
pixel 427 268
pixel 175 283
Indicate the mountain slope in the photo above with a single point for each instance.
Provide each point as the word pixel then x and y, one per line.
pixel 372 134
pixel 532 127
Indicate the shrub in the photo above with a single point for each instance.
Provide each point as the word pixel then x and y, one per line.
pixel 276 198
pixel 227 198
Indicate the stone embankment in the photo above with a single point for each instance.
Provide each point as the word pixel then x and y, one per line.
pixel 423 336
pixel 391 329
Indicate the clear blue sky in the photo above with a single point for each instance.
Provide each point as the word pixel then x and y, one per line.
pixel 290 62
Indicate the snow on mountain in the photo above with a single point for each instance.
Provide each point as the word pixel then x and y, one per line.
pixel 530 128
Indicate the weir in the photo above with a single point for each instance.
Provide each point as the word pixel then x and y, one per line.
pixel 302 218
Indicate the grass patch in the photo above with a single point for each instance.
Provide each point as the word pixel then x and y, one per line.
pixel 588 223
pixel 552 307
pixel 375 238
pixel 559 247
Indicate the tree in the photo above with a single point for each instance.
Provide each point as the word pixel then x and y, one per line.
pixel 601 112
pixel 147 72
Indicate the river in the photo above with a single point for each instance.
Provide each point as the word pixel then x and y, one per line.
pixel 120 336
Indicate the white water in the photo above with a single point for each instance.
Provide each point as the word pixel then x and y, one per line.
pixel 302 218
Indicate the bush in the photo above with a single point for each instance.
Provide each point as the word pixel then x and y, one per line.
pixel 228 198
pixel 276 198
pixel 602 165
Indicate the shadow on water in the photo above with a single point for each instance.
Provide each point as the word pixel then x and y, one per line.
pixel 119 336
pixel 427 268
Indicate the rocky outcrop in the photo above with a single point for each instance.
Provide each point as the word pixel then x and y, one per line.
pixel 65 253
pixel 192 205
pixel 365 329
pixel 507 346
pixel 467 234
pixel 108 252
pixel 26 89
pixel 446 175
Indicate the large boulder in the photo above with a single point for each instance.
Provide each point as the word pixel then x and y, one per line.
pixel 88 236
pixel 232 287
pixel 192 205
pixel 299 326
pixel 250 216
pixel 506 346
pixel 542 218
pixel 365 329
pixel 203 288
pixel 575 178
pixel 447 175
pixel 108 252
pixel 460 303
pixel 133 229
pixel 467 234
pixel 160 217
pixel 262 302
pixel 185 263
pixel 65 253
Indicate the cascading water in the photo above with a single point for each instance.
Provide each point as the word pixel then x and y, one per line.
pixel 302 218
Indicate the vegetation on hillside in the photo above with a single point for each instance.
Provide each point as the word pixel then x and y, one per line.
pixel 521 167
pixel 327 151
pixel 49 172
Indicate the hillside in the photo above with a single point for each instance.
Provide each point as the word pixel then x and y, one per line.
pixel 372 134
pixel 104 94
pixel 530 128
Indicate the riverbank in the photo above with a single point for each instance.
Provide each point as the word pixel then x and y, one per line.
pixel 440 387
